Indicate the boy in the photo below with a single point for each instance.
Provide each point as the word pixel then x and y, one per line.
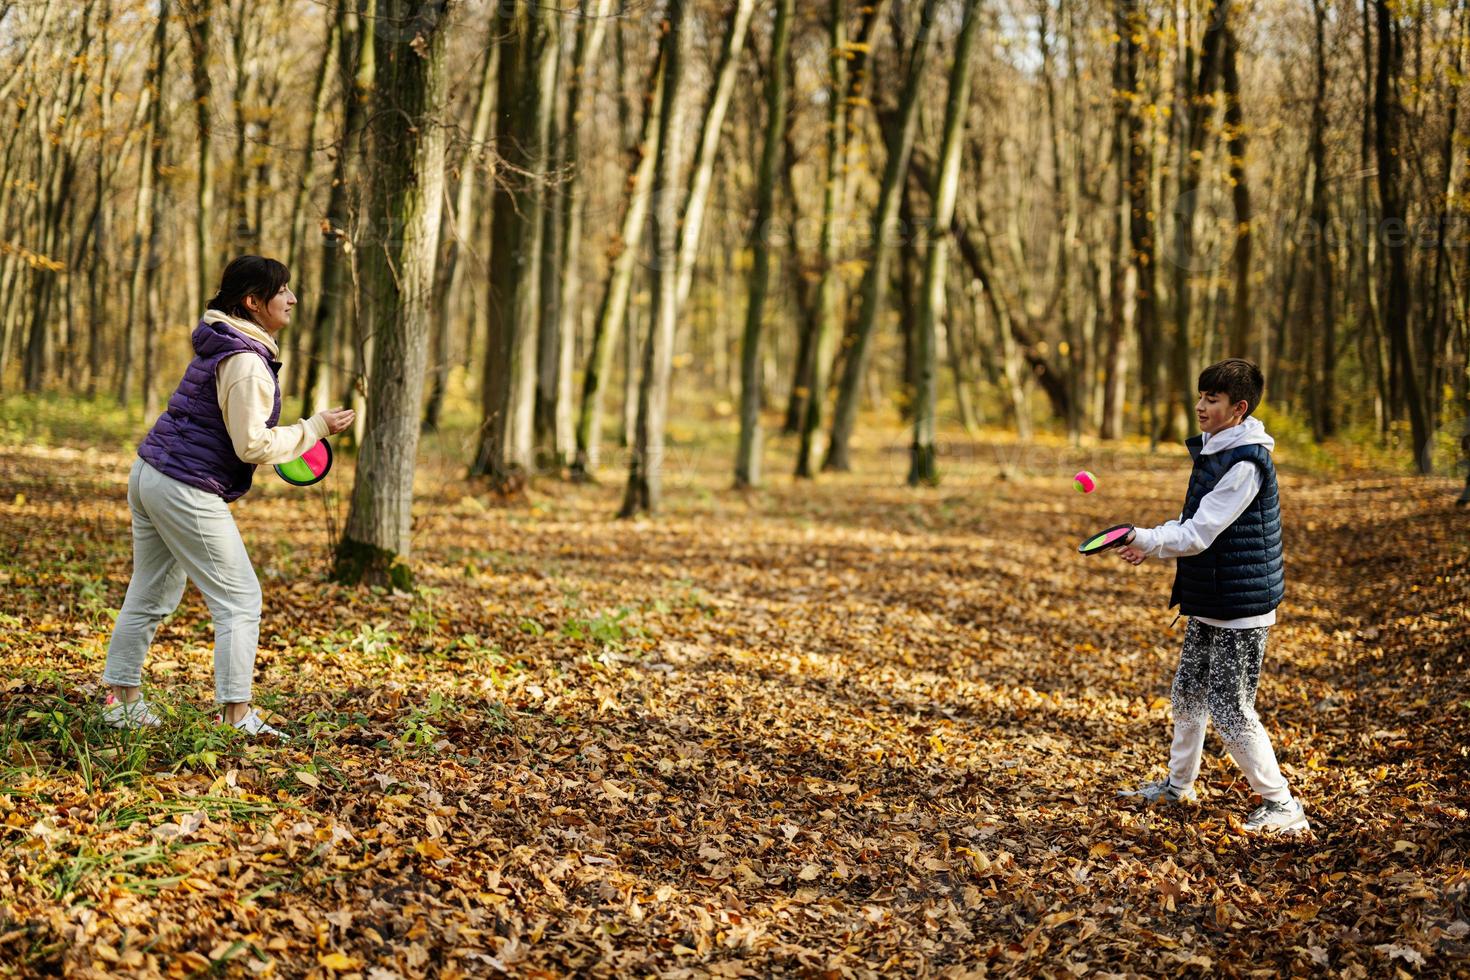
pixel 1228 582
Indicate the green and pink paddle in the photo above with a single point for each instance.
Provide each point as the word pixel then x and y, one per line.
pixel 308 469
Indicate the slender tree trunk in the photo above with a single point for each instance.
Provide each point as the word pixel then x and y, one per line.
pixel 406 197
pixel 1195 115
pixel 849 73
pixel 460 227
pixel 645 469
pixel 356 64
pixel 1323 291
pixel 747 456
pixel 1242 332
pixel 624 255
pixel 1132 26
pixel 198 19
pixel 527 72
pixel 875 281
pixel 1388 126
pixel 295 257
pixel 150 156
pixel 923 463
pixel 548 314
pixel 590 31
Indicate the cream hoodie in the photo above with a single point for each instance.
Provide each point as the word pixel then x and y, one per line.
pixel 247 392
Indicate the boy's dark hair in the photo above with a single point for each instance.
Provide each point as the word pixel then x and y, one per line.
pixel 248 275
pixel 1235 377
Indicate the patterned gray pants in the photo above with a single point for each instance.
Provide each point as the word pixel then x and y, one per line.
pixel 1218 672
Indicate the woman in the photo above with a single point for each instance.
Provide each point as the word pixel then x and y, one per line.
pixel 199 456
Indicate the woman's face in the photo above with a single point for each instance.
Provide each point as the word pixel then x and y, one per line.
pixel 274 315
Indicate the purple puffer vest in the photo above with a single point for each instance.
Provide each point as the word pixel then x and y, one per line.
pixel 189 441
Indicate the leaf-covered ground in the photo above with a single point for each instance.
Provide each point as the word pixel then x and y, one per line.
pixel 840 729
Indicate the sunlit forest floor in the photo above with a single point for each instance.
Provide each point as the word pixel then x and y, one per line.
pixel 833 729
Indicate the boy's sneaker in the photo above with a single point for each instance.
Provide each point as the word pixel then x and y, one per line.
pixel 128 714
pixel 253 724
pixel 1162 792
pixel 1277 818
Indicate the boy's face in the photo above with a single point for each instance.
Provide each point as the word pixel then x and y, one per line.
pixel 1215 412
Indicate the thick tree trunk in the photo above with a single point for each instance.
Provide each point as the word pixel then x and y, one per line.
pixel 406 198
pixel 875 278
pixel 747 455
pixel 923 463
pixel 645 469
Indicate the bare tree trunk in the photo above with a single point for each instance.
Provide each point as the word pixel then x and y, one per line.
pixel 590 31
pixel 198 17
pixel 527 71
pixel 645 469
pixel 849 73
pixel 460 227
pixel 1132 25
pixel 1195 114
pixel 747 455
pixel 923 464
pixel 406 197
pixel 356 65
pixel 1322 294
pixel 1387 109
pixel 295 257
pixel 875 281
pixel 614 306
pixel 1242 333
pixel 150 158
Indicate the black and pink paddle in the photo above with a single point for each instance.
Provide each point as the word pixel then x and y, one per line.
pixel 1102 541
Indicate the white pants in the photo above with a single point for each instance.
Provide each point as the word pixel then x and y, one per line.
pixel 181 531
pixel 1219 669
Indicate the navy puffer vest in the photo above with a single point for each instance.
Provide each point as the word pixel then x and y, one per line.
pixel 189 441
pixel 1241 574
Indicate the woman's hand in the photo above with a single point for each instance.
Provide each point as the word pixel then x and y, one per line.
pixel 338 419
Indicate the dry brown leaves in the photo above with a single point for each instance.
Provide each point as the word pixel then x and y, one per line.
pixel 835 730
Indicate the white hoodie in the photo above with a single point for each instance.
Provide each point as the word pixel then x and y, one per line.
pixel 247 392
pixel 1219 509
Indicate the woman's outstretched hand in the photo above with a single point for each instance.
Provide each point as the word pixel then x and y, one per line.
pixel 338 419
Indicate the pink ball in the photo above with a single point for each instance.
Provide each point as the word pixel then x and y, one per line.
pixel 1084 482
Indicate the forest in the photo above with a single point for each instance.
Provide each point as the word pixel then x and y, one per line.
pixel 569 226
pixel 696 592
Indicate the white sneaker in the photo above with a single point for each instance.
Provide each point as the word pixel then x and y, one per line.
pixel 1162 792
pixel 253 724
pixel 1277 818
pixel 128 714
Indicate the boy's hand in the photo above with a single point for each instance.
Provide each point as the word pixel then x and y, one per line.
pixel 1130 554
pixel 338 419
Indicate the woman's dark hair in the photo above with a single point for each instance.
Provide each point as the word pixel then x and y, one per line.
pixel 248 275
